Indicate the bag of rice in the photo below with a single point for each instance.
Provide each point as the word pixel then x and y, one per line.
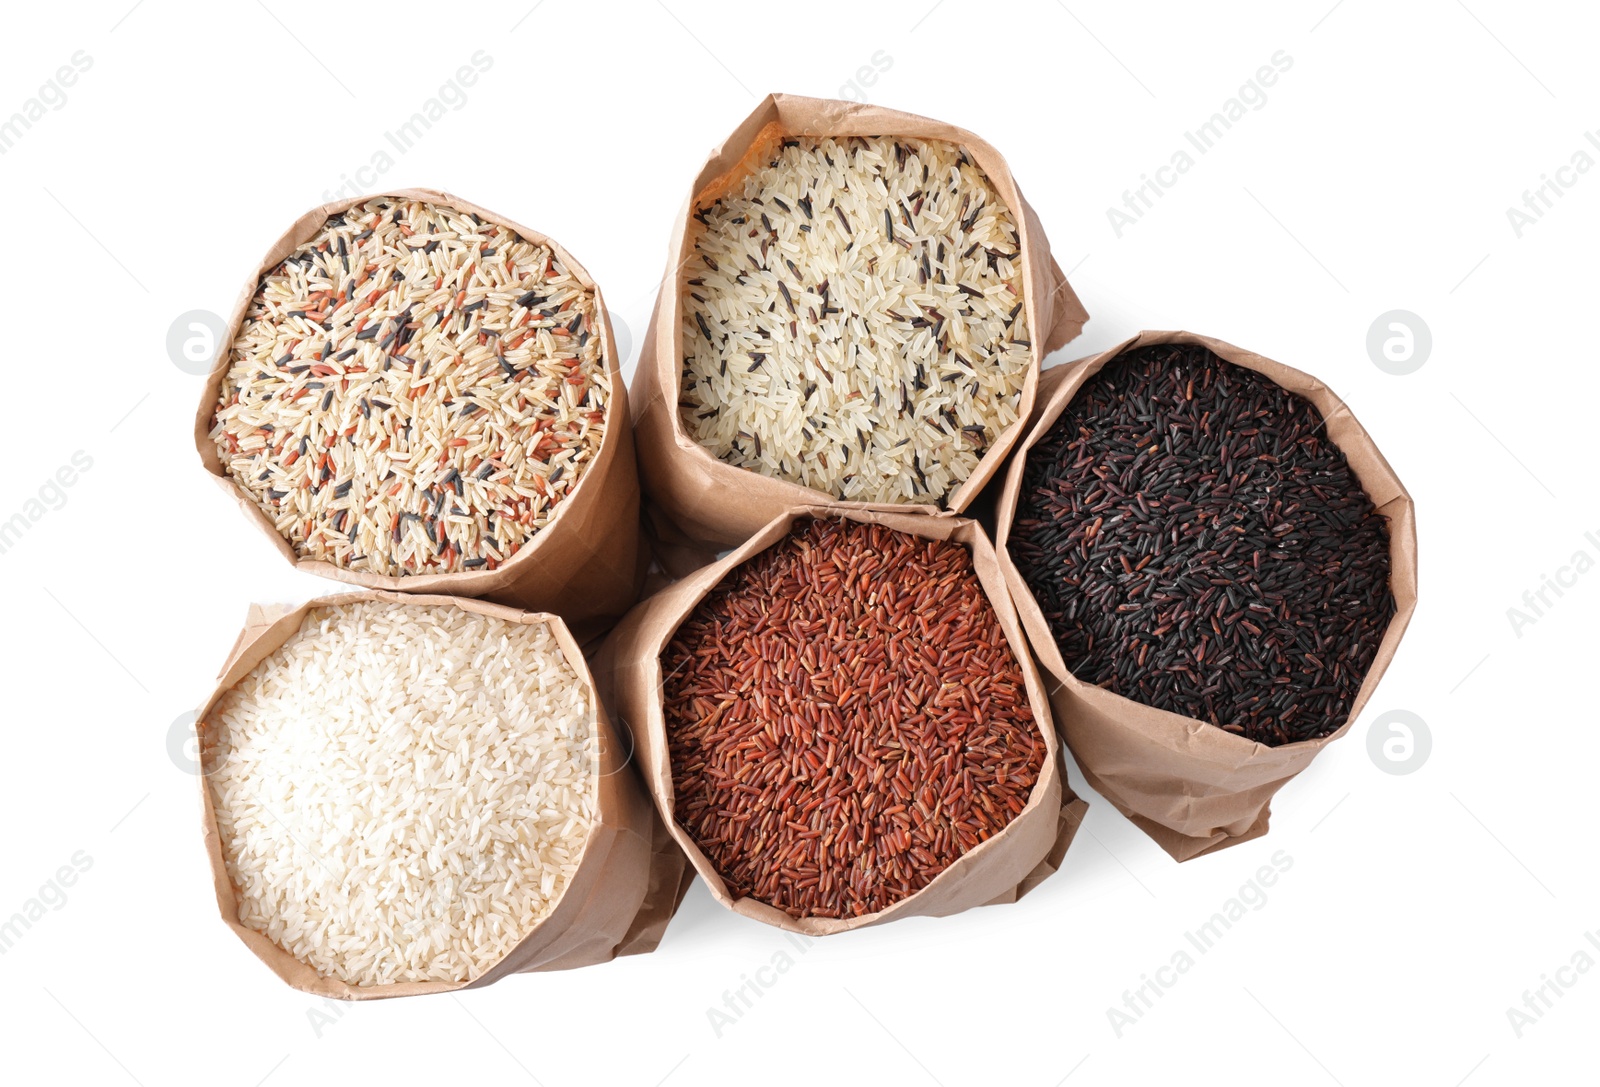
pixel 1214 565
pixel 841 725
pixel 417 794
pixel 416 394
pixel 855 311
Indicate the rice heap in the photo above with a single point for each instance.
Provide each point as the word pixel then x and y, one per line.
pixel 403 791
pixel 853 319
pixel 413 391
pixel 1197 543
pixel 845 719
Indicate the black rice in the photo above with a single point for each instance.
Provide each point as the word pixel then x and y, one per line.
pixel 1198 544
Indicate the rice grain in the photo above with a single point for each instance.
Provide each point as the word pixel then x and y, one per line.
pixel 413 391
pixel 402 792
pixel 854 320
pixel 845 718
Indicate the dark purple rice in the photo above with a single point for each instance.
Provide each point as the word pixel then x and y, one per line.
pixel 1197 544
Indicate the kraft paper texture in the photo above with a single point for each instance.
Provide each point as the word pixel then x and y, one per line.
pixel 630 879
pixel 698 504
pixel 587 564
pixel 1191 786
pixel 1001 869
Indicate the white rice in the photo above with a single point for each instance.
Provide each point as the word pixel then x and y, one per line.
pixel 900 350
pixel 403 792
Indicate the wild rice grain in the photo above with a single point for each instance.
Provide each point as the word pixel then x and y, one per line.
pixel 859 286
pixel 845 718
pixel 487 360
pixel 403 791
pixel 1198 544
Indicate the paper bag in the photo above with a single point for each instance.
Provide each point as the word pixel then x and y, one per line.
pixel 629 881
pixel 1001 869
pixel 698 503
pixel 1190 785
pixel 587 564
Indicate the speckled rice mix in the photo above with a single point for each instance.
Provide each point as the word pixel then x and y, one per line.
pixel 853 319
pixel 403 791
pixel 414 391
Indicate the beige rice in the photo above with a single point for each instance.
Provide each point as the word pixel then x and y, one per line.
pixel 854 319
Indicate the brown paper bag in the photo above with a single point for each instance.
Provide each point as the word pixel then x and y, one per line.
pixel 1002 869
pixel 630 879
pixel 1191 786
pixel 587 564
pixel 702 503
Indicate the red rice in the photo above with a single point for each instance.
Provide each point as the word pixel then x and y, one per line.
pixel 845 718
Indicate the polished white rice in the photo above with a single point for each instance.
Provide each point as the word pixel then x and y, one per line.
pixel 403 791
pixel 853 318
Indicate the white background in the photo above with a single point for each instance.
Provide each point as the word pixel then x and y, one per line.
pixel 1418 909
